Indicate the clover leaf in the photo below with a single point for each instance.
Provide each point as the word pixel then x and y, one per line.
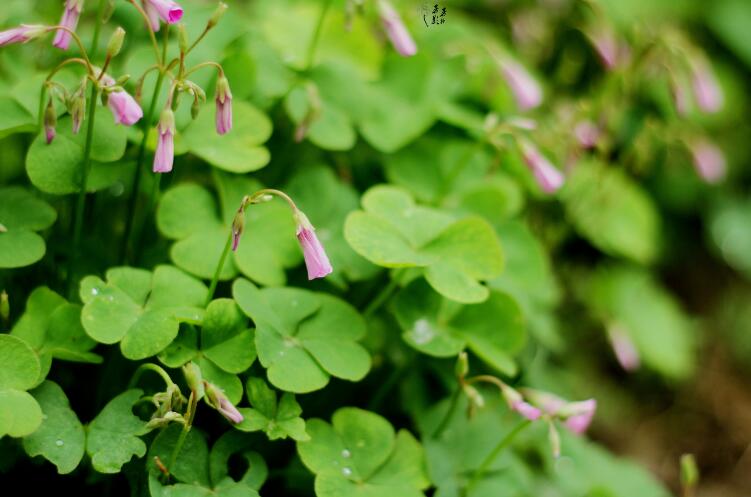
pixel 52 327
pixel 358 454
pixel 57 167
pixel 21 216
pixel 113 436
pixel 329 212
pixel 331 129
pixel 188 214
pixel 239 151
pixel 279 419
pixel 20 414
pixel 392 231
pixel 494 329
pixel 201 474
pixel 60 439
pixel 303 337
pixel 140 309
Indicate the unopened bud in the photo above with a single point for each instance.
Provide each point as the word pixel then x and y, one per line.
pixel 195 108
pixel 163 421
pixel 194 378
pixel 474 396
pixel 461 369
pixel 689 471
pixel 50 121
pixel 216 398
pixel 116 42
pixel 238 225
pixel 122 80
pixel 217 15
pixel 182 37
pixel 555 440
pixel 4 306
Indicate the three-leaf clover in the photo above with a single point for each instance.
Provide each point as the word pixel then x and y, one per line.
pixel 494 329
pixel 189 214
pixel 21 215
pixel 358 455
pixel 140 309
pixel 456 255
pixel 278 418
pixel 227 347
pixel 303 337
pixel 20 414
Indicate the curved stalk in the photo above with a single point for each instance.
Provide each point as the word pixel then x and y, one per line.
pixel 218 272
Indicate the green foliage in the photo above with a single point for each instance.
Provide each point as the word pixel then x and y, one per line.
pixel 22 215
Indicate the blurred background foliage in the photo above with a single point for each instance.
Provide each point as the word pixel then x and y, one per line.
pixel 635 241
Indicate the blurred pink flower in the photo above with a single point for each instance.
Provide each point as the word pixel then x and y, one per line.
pixel 49 132
pixel 707 90
pixel 123 106
pixel 229 411
pixel 709 161
pixel 396 30
pixel 21 34
pixel 547 176
pixel 623 348
pixel 315 256
pixel 587 134
pixel 527 91
pixel 166 10
pixel 223 106
pixel 165 147
pixel 517 403
pixel 69 20
pixel 579 415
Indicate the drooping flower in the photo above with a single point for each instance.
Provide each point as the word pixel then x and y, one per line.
pixel 69 20
pixel 578 415
pixel 238 226
pixel 709 161
pixel 315 256
pixel 609 48
pixel 526 89
pixel 21 34
pixel 623 348
pixel 223 106
pixel 707 90
pixel 396 30
pixel 587 134
pixel 50 121
pixel 166 10
pixel 547 176
pixel 216 398
pixel 123 106
pixel 165 146
pixel 517 403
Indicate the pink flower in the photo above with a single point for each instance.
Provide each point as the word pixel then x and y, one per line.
pixel 223 106
pixel 580 415
pixel 709 160
pixel 316 259
pixel 680 97
pixel 166 10
pixel 229 411
pixel 517 403
pixel 165 147
pixel 526 90
pixel 547 176
pixel 123 106
pixel 587 134
pixel 624 348
pixel 21 34
pixel 49 133
pixel 69 20
pixel 706 88
pixel 396 31
pixel 610 51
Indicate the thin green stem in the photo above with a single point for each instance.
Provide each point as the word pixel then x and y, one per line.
pixel 219 267
pixel 152 37
pixel 133 200
pixel 79 43
pixel 42 98
pixel 316 35
pixel 147 366
pixel 81 202
pixel 383 295
pixel 178 447
pixel 505 442
pixel 385 387
pixel 216 65
pixel 97 28
pixel 449 413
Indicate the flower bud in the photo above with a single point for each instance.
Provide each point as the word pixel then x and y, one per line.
pixel 689 472
pixel 71 14
pixel 238 225
pixel 50 121
pixel 577 416
pixel 116 42
pixel 22 33
pixel 395 29
pixel 517 403
pixel 461 369
pixel 77 107
pixel 316 260
pixel 163 421
pixel 527 91
pixel 217 15
pixel 4 304
pixel 215 398
pixel 623 347
pixel 165 147
pixel 709 161
pixel 182 37
pixel 546 175
pixel 223 106
pixel 194 378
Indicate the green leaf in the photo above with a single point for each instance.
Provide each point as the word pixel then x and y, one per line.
pixel 280 420
pixel 226 340
pixel 14 118
pixel 21 214
pixel 113 436
pixel 233 443
pixel 661 331
pixel 20 414
pixel 610 210
pixel 331 129
pixel 494 329
pixel 121 310
pixel 730 232
pixel 192 463
pixel 358 454
pixel 19 364
pixel 60 439
pixel 238 151
pixel 393 232
pixel 303 337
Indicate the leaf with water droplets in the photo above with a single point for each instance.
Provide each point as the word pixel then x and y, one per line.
pixel 359 455
pixel 277 419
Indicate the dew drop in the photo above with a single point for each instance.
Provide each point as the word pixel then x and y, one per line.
pixel 422 332
pixel 59 443
pixel 346 471
pixel 95 291
pixel 346 454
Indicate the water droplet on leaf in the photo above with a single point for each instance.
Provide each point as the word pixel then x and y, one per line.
pixel 59 443
pixel 346 453
pixel 347 471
